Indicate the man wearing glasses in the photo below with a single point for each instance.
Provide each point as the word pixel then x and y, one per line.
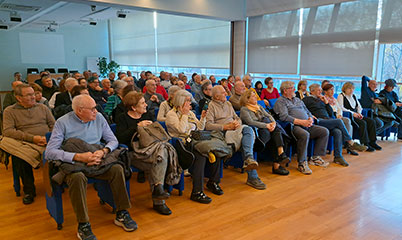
pixel 88 126
pixel 25 125
pixel 292 109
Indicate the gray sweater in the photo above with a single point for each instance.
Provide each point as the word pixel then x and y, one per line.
pixel 219 114
pixel 291 109
pixel 255 119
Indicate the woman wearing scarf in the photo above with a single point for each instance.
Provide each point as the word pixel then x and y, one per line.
pixel 269 131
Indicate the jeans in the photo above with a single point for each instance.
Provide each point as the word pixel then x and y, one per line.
pixel 338 130
pixel 247 142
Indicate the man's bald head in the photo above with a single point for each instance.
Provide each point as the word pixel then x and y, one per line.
pixel 15 84
pixel 372 84
pixel 239 87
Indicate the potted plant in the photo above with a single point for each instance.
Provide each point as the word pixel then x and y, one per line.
pixel 105 68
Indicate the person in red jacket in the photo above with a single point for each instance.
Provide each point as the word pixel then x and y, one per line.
pixel 270 92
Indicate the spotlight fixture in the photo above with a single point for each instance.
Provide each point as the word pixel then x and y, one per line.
pixel 93 23
pixel 14 17
pixel 52 27
pixel 121 14
pixel 93 8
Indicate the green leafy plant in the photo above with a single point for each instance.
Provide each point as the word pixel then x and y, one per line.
pixel 105 68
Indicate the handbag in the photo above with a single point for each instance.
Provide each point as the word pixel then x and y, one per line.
pixel 200 135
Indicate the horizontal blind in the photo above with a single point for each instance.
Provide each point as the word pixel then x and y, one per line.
pixel 133 39
pixel 273 43
pixel 391 22
pixel 343 46
pixel 193 42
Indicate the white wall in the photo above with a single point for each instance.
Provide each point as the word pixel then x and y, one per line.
pixel 80 42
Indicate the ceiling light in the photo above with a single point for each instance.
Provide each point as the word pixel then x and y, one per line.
pixel 121 14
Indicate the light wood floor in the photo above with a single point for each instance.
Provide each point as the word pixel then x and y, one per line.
pixel 363 201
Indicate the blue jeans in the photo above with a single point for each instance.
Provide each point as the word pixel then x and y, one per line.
pixel 247 142
pixel 338 130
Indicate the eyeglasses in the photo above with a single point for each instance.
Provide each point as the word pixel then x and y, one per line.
pixel 93 109
pixel 29 95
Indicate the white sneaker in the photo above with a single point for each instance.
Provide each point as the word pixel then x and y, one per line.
pixel 318 161
pixel 303 168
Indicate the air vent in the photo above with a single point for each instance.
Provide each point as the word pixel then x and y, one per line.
pixel 16 7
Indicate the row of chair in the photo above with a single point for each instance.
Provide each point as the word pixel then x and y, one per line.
pixel 50 70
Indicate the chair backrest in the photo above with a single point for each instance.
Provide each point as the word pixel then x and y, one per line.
pixel 227 98
pixel 51 70
pixel 261 103
pixel 62 70
pixel 113 127
pixel 272 102
pixel 32 70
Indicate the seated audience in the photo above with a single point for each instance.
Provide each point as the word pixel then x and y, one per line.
pixel 48 88
pixel 141 81
pixel 370 99
pixel 389 93
pixel 200 95
pixel 38 94
pixel 25 124
pixel 167 105
pixel 180 121
pixel 77 76
pixel 213 80
pixel 337 109
pixel 323 83
pixel 83 82
pixel 121 75
pixel 87 74
pixel 269 131
pixel 196 87
pixel 127 125
pixel 239 89
pixel 116 98
pixel 258 88
pixel 107 86
pixel 270 92
pixel 292 109
pixel 96 92
pixel 247 83
pixel 367 126
pixel 120 108
pixel 65 97
pixel 75 126
pixel 302 89
pixel 225 85
pixel 319 106
pixel 10 99
pixel 184 79
pixel 111 77
pixel 206 89
pixel 159 89
pixel 222 117
pixel 152 98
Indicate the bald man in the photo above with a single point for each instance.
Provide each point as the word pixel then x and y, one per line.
pixel 10 99
pixel 239 89
pixel 76 126
pixel 369 96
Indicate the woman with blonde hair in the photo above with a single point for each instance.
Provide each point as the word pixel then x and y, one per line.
pixel 269 132
pixel 302 89
pixel 367 126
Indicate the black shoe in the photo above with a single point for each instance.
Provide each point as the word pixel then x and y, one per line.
pixel 28 199
pixel 375 146
pixel 159 193
pixel 370 149
pixel 352 152
pixel 200 197
pixel 215 188
pixel 141 177
pixel 85 232
pixel 124 220
pixel 283 159
pixel 280 171
pixel 162 209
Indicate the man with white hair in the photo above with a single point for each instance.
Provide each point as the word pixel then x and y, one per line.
pixel 322 110
pixel 107 86
pixel 65 97
pixel 221 117
pixel 292 109
pixel 86 124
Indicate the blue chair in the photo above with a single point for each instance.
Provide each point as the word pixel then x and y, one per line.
pixel 54 203
pixel 272 102
pixel 227 98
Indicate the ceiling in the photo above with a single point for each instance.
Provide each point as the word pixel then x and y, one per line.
pixel 45 14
